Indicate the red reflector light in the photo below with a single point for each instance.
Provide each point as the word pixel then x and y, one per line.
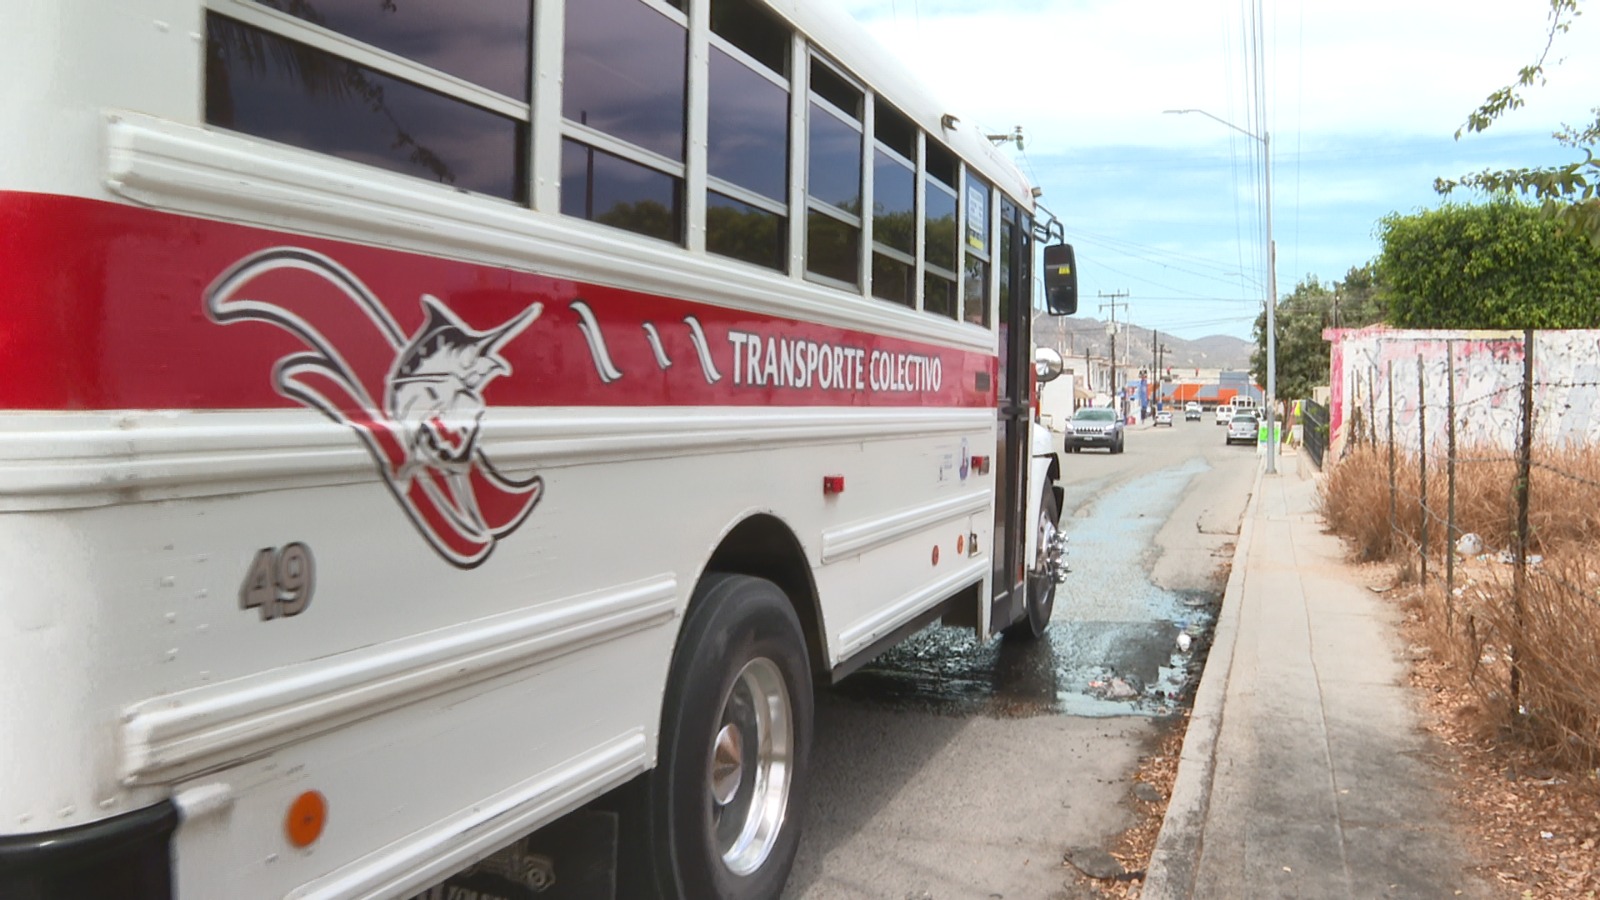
pixel 980 464
pixel 833 484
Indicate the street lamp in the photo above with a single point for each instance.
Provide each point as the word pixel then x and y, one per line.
pixel 1272 286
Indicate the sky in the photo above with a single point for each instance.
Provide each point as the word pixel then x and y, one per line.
pixel 1362 100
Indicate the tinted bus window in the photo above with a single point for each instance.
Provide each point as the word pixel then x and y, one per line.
pixel 271 87
pixel 485 42
pixel 747 133
pixel 835 170
pixel 625 73
pixel 603 188
pixel 745 232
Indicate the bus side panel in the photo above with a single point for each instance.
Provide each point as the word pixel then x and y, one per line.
pixel 913 526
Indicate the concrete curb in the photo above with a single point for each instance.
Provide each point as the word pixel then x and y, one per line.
pixel 1176 857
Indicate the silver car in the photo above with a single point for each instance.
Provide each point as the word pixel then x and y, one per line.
pixel 1093 426
pixel 1243 428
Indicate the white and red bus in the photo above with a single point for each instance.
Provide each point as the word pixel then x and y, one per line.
pixel 422 420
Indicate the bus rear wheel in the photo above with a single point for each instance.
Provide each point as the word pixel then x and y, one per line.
pixel 735 736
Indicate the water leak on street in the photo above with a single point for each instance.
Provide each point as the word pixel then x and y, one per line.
pixel 1113 647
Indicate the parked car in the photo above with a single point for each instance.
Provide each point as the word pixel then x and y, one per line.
pixel 1093 426
pixel 1244 428
pixel 1224 413
pixel 1191 411
pixel 1164 417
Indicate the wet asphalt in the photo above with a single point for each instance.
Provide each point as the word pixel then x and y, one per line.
pixel 1113 646
pixel 951 769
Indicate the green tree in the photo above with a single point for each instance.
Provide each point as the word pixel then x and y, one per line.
pixel 1301 318
pixel 1357 302
pixel 1567 193
pixel 1496 265
pixel 1302 353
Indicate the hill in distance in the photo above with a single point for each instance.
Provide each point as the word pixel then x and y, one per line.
pixel 1072 335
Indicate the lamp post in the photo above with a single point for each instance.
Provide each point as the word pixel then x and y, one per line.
pixel 1272 286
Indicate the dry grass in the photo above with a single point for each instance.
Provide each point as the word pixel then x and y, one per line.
pixel 1563 510
pixel 1528 758
pixel 1552 631
pixel 1534 828
pixel 1551 638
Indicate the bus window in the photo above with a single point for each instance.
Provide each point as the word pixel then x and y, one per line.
pixel 939 239
pixel 833 177
pixel 894 207
pixel 608 189
pixel 488 47
pixel 975 284
pixel 623 101
pixel 747 135
pixel 270 86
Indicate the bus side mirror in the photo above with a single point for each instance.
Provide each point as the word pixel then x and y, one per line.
pixel 1060 280
pixel 1047 364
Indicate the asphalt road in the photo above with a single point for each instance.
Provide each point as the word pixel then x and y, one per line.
pixel 950 770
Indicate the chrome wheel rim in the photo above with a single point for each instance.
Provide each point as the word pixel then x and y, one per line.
pixel 1048 573
pixel 1047 541
pixel 750 766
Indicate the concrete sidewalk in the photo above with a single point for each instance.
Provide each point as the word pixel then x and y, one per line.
pixel 1304 772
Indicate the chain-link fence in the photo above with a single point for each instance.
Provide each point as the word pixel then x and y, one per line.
pixel 1491 466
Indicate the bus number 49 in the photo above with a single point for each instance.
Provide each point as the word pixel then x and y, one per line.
pixel 279 582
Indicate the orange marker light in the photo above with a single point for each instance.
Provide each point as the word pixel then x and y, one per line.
pixel 936 554
pixel 961 543
pixel 307 816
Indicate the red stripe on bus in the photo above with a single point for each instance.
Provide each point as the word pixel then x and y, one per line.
pixel 108 306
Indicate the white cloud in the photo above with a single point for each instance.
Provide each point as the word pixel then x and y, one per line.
pixel 1099 72
pixel 1363 98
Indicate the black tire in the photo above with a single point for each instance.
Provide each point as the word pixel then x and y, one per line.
pixel 723 800
pixel 1041 584
pixel 1118 447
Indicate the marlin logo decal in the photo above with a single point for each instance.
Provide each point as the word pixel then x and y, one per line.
pixel 424 437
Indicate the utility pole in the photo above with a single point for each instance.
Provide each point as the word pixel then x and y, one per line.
pixel 1160 376
pixel 1114 296
pixel 1155 367
pixel 1265 137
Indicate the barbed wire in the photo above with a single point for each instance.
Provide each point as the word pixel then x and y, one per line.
pixel 1515 387
pixel 1565 474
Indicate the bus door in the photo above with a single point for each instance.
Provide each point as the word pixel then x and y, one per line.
pixel 1009 598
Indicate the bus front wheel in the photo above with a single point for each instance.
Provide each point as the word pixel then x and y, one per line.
pixel 1042 578
pixel 735 735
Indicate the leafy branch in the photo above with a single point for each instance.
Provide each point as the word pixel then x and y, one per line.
pixel 1567 193
pixel 1562 12
pixel 1570 193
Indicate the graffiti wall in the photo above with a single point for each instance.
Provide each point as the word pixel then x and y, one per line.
pixel 1411 376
